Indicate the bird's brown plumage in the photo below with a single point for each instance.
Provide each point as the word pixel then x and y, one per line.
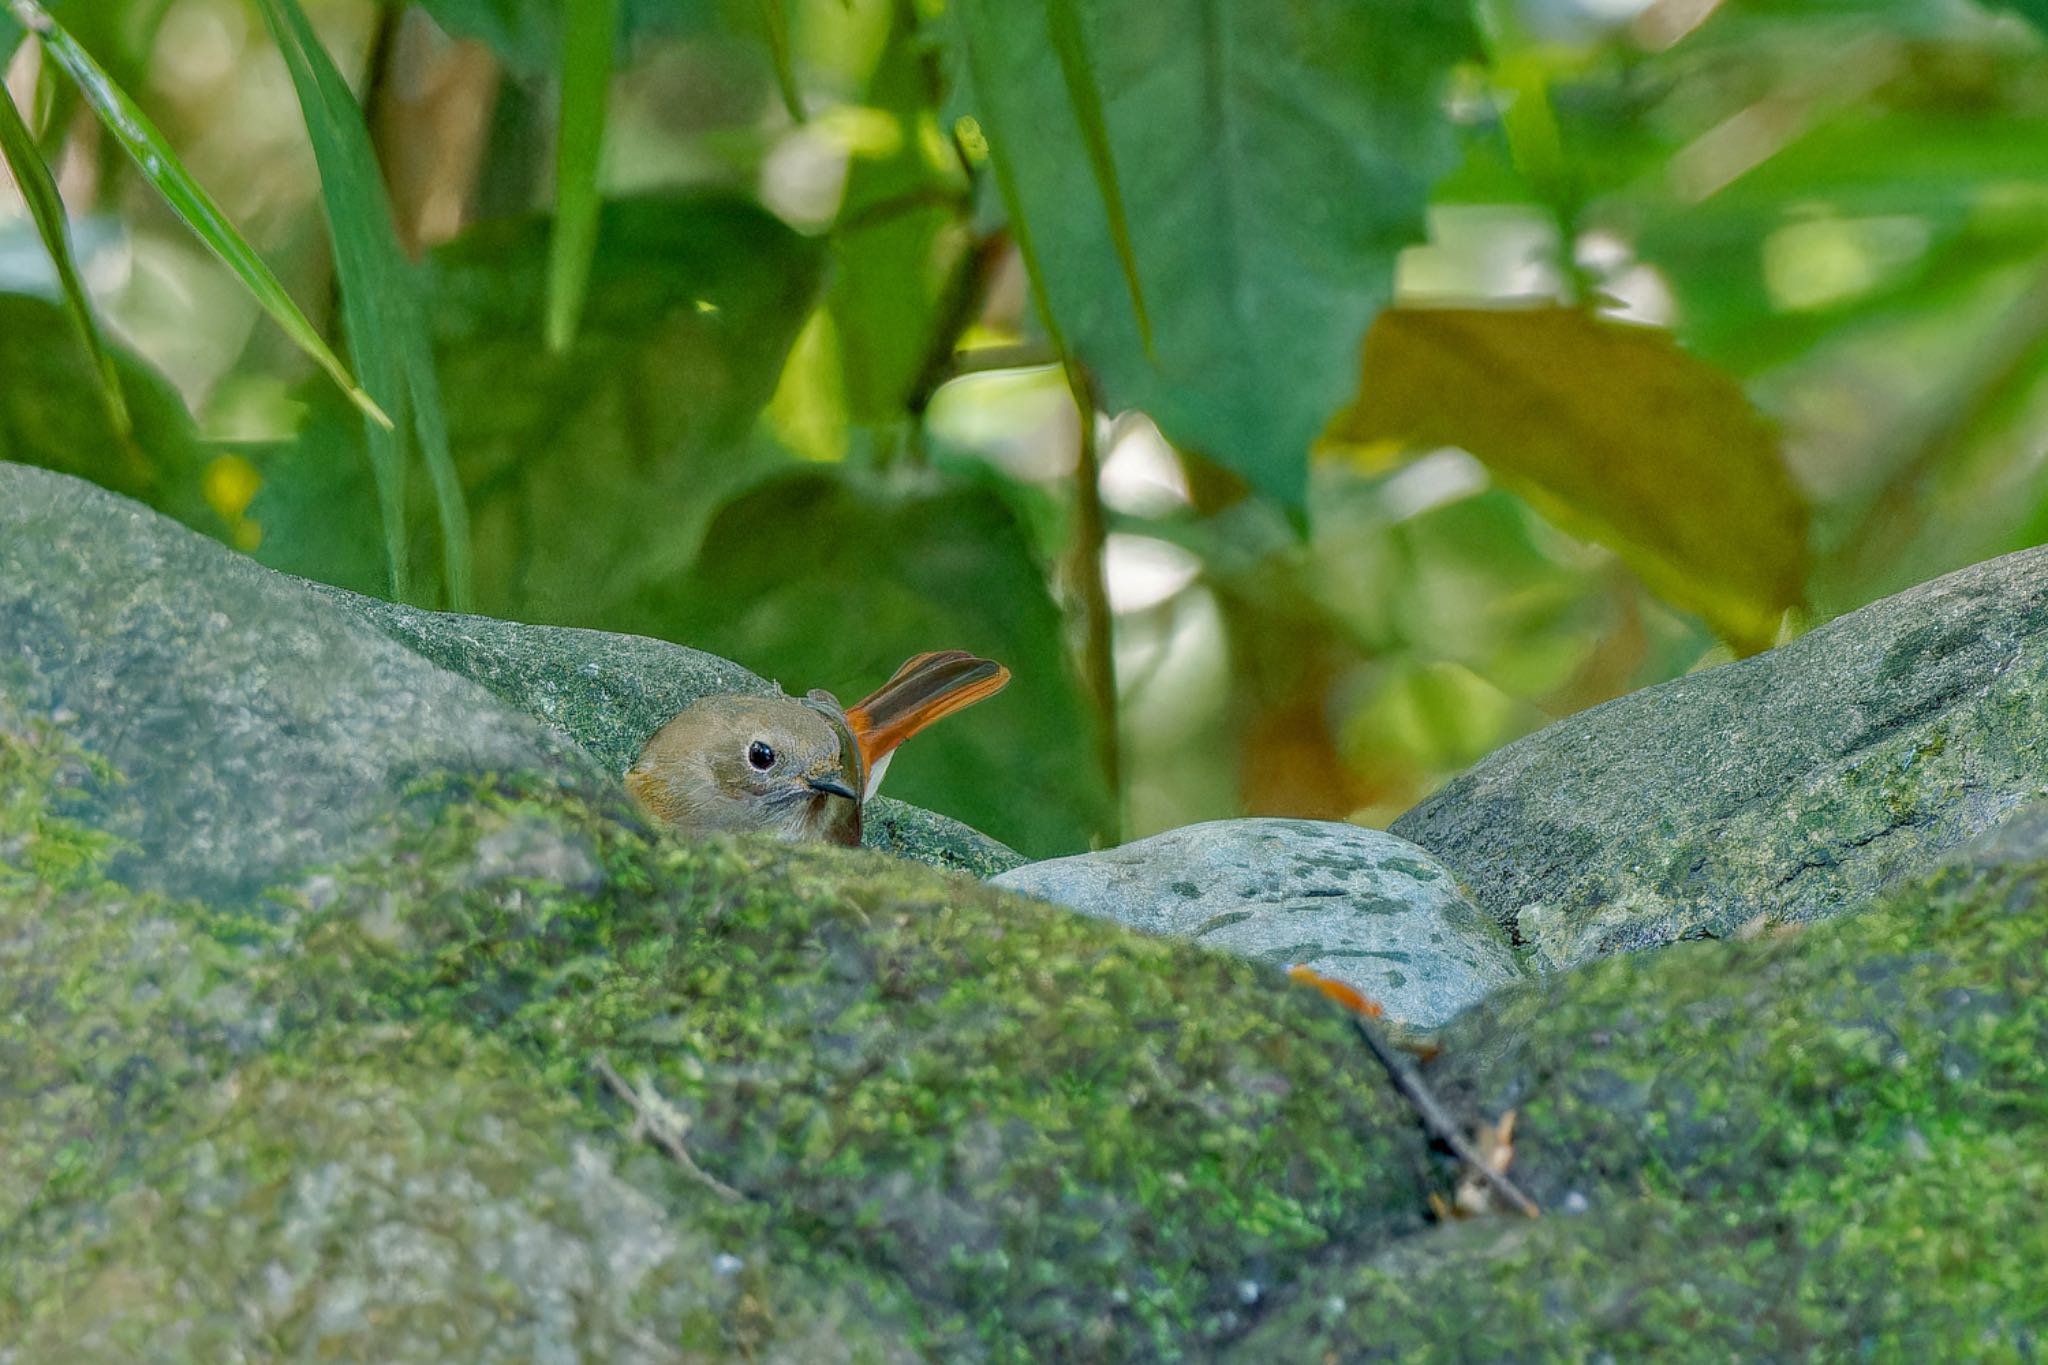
pixel 799 769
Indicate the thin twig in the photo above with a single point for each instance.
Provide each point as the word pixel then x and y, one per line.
pixel 656 1128
pixel 1412 1088
pixel 966 294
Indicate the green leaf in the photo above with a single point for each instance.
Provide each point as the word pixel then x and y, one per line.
pixel 527 35
pixel 162 169
pixel 1063 26
pixel 1615 432
pixel 387 332
pixel 591 472
pixel 2034 12
pixel 39 190
pixel 898 244
pixel 524 34
pixel 579 151
pixel 775 32
pixel 1271 156
pixel 52 414
pixel 819 579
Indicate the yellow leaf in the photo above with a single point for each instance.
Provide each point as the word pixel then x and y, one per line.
pixel 1611 430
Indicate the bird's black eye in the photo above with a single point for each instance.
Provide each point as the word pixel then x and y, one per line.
pixel 761 756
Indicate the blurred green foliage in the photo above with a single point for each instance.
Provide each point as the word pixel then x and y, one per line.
pixel 1449 367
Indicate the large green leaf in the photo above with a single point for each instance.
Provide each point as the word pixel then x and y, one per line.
pixel 593 471
pixel 525 34
pixel 52 415
pixel 818 580
pixel 1614 430
pixel 1269 159
pixel 2034 12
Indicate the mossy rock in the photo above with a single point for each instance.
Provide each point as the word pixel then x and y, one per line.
pixel 1783 788
pixel 339 1099
pixel 965 1124
pixel 1825 1142
pixel 361 1120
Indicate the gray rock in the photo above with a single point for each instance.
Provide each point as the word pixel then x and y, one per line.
pixel 262 724
pixel 1785 787
pixel 255 730
pixel 1364 907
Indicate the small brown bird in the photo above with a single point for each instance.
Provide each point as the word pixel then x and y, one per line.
pixel 801 768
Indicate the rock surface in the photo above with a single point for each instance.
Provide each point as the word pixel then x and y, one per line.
pixel 1364 907
pixel 254 732
pixel 963 1126
pixel 366 1125
pixel 1783 788
pixel 362 1116
pixel 262 723
pixel 1834 1136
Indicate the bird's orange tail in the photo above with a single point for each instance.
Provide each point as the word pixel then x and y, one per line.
pixel 927 688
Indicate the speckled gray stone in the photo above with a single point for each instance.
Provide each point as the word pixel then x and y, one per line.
pixel 1355 904
pixel 1786 787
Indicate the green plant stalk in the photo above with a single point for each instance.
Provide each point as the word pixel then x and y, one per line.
pixel 159 165
pixel 1098 657
pixel 1098 640
pixel 592 29
pixel 46 206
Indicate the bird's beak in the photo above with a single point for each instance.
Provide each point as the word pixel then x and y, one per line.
pixel 831 786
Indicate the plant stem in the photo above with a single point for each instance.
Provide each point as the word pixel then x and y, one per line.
pixel 1098 642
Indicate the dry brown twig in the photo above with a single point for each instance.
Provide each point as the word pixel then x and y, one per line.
pixel 1412 1088
pixel 652 1123
pixel 1490 1168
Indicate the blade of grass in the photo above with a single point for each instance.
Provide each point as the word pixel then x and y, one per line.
pixel 591 30
pixel 160 166
pixel 387 331
pixel 39 190
pixel 775 25
pixel 1077 70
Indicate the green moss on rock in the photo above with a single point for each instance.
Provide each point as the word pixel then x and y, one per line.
pixel 197 1168
pixel 1832 1141
pixel 1050 1130
pixel 357 1118
pixel 964 1123
pixel 1794 785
